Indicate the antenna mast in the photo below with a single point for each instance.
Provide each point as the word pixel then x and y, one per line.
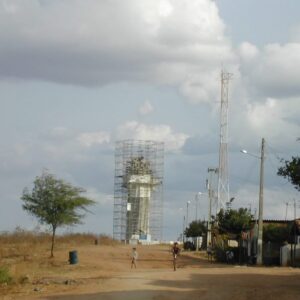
pixel 223 180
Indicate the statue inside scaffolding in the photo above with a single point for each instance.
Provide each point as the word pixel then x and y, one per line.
pixel 138 208
pixel 139 183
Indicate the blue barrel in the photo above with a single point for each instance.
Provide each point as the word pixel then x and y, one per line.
pixel 73 259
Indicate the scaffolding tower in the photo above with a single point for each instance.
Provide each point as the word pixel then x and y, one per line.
pixel 138 193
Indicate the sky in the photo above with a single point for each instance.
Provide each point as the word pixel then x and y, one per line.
pixel 77 76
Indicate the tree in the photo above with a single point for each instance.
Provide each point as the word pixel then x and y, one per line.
pixel 55 203
pixel 291 171
pixel 234 221
pixel 196 228
pixel 276 233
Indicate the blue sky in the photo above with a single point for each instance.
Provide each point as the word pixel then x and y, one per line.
pixel 260 23
pixel 76 76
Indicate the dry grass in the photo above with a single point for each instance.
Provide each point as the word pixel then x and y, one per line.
pixel 23 243
pixel 26 253
pixel 85 239
pixel 20 244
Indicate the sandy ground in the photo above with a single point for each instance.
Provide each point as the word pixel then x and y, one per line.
pixel 104 272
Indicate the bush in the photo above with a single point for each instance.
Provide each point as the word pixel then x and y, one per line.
pixel 189 246
pixel 220 253
pixel 276 234
pixel 4 275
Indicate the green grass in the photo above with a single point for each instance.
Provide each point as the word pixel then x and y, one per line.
pixel 4 275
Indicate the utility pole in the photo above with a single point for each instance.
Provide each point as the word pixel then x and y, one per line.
pixel 293 252
pixel 187 213
pixel 210 198
pixel 261 206
pixel 183 229
pixel 286 209
pixel 196 202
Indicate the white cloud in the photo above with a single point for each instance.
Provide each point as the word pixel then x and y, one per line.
pixel 281 67
pixel 264 99
pixel 167 43
pixel 274 71
pixel 8 6
pixel 274 200
pixel 165 9
pixel 273 119
pixel 178 42
pixel 202 87
pixel 295 34
pixel 99 197
pixel 53 147
pixel 89 139
pixel 248 51
pixel 59 133
pixel 260 115
pixel 146 108
pixel 162 133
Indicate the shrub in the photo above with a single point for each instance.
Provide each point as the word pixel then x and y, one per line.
pixel 276 234
pixel 220 253
pixel 4 275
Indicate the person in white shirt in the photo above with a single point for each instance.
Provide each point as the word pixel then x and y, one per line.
pixel 134 257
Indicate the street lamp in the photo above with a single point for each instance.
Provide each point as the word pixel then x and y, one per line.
pixel 261 202
pixel 187 213
pixel 246 152
pixel 183 223
pixel 196 200
pixel 209 216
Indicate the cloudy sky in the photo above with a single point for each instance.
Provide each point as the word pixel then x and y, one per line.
pixel 77 75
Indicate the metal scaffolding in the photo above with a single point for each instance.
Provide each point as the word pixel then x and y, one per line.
pixel 138 193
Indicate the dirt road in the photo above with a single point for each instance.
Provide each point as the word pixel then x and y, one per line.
pixel 104 273
pixel 194 284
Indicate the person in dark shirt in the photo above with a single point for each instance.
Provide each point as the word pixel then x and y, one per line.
pixel 175 251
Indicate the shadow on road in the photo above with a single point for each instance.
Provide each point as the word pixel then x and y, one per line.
pixel 207 286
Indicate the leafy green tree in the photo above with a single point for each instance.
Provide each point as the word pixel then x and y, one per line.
pixel 234 221
pixel 276 233
pixel 55 203
pixel 291 171
pixel 196 228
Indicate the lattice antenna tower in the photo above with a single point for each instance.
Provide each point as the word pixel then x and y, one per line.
pixel 223 179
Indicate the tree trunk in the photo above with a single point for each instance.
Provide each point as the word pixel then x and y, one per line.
pixel 53 240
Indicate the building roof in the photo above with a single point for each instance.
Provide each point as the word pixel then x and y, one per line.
pixel 274 221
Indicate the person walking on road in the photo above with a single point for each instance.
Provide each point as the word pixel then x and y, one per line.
pixel 175 251
pixel 134 257
pixel 209 252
